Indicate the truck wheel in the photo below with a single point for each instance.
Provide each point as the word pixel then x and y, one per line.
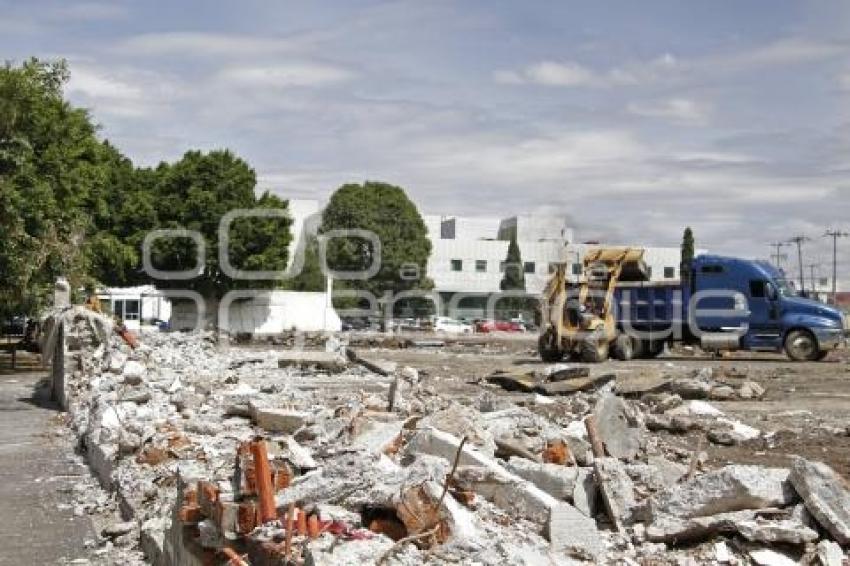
pixel 624 348
pixel 549 351
pixel 802 346
pixel 594 351
pixel 647 350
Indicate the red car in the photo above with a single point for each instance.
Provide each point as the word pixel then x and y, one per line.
pixel 487 326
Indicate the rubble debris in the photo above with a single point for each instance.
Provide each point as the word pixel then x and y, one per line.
pixel 830 553
pixel 575 385
pixel 381 368
pixel 574 533
pixel 175 427
pixel 563 372
pixel 617 428
pixel 768 557
pixel 826 496
pixel 331 362
pixel 730 489
pixel 747 524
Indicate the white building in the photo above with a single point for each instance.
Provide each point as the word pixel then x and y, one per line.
pixel 468 256
pixel 136 306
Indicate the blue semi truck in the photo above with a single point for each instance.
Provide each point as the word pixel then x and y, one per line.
pixel 721 304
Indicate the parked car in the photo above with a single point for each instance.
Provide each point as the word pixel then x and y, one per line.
pixel 15 326
pixel 451 326
pixel 487 326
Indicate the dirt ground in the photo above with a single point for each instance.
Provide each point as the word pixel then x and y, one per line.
pixel 806 405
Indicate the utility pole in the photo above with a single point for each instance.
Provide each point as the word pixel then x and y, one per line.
pixel 778 256
pixel 835 234
pixel 799 241
pixel 813 281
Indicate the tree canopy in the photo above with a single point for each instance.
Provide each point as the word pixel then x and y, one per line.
pixel 55 185
pixel 387 212
pixel 73 205
pixel 514 277
pixel 687 253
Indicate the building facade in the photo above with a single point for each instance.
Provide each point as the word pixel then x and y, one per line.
pixel 468 256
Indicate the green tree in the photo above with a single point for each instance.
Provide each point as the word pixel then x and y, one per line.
pixel 311 277
pixel 386 211
pixel 54 176
pixel 514 277
pixel 194 194
pixel 687 254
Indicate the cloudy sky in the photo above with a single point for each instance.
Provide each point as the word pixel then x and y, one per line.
pixel 633 118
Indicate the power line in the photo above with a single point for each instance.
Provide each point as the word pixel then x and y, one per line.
pixel 835 234
pixel 778 256
pixel 799 241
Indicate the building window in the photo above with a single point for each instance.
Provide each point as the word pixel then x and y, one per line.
pixel 529 267
pixel 649 272
pixel 576 269
pixel 669 272
pixel 502 265
pixel 457 265
pixel 481 265
pixel 823 282
pixel 553 267
pixel 126 309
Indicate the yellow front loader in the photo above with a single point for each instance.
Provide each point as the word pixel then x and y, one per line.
pixel 578 318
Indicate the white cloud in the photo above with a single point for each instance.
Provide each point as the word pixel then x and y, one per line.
pixel 844 81
pixel 208 44
pixel 680 110
pixel 89 11
pixel 785 51
pixel 286 75
pixel 126 92
pixel 573 74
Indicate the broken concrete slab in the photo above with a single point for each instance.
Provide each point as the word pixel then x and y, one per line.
pixel 383 368
pixel 688 388
pixel 730 489
pixel 326 361
pixel 748 524
pixel 377 437
pixel 767 557
pixel 556 480
pixel 569 531
pixel 525 382
pixel 585 493
pixel 617 428
pixel 575 385
pixel 616 490
pixel 563 372
pixel 637 385
pixel 272 419
pixel 825 495
pixel 830 553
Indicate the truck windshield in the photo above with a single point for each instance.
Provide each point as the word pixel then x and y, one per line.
pixel 784 287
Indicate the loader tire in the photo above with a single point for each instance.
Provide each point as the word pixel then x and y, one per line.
pixel 549 351
pixel 594 351
pixel 624 348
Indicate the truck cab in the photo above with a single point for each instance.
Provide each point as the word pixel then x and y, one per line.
pixel 747 304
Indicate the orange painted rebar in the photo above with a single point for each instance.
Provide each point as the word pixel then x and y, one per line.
pixel 233 558
pixel 290 518
pixel 593 435
pixel 313 526
pixel 268 510
pixel 302 522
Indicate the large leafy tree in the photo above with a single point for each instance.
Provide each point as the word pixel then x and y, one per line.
pixel 194 194
pixel 54 178
pixel 310 278
pixel 386 211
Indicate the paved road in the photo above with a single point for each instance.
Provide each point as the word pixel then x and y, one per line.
pixel 35 472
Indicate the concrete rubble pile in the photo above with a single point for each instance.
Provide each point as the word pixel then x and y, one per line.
pixel 247 456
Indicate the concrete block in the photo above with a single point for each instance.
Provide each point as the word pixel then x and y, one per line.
pixel 556 480
pixel 730 489
pixel 825 495
pixel 616 427
pixel 326 361
pixel 570 531
pixel 377 437
pixel 279 420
